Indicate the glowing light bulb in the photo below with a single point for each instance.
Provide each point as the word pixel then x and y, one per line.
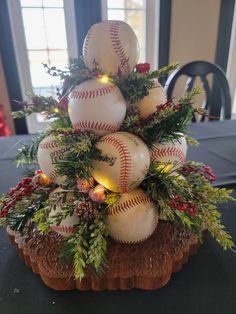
pixel 56 110
pixel 104 79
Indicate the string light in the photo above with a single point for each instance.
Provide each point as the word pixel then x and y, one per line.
pixel 56 110
pixel 104 79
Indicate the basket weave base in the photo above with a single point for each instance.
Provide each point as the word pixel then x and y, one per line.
pixel 147 265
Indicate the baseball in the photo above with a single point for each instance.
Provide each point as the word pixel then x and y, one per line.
pixel 49 152
pixel 67 225
pixel 112 45
pixel 133 218
pixel 173 152
pixel 149 103
pixel 124 164
pixel 97 106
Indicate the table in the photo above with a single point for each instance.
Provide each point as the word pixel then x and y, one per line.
pixel 206 285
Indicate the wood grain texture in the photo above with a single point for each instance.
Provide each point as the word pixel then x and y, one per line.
pixel 147 265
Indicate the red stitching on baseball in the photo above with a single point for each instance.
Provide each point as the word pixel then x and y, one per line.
pixel 63 228
pixel 118 46
pixel 159 153
pixel 85 48
pixel 89 94
pixel 53 174
pixel 124 206
pixel 49 145
pixel 125 160
pixel 92 125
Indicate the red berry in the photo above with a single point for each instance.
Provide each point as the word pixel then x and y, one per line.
pixel 10 193
pixel 182 207
pixel 172 204
pixel 12 203
pixel 26 180
pixel 177 198
pixel 38 171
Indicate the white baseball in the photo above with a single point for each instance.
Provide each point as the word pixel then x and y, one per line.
pixel 49 152
pixel 149 103
pixel 67 226
pixel 173 152
pixel 97 106
pixel 133 218
pixel 124 164
pixel 113 45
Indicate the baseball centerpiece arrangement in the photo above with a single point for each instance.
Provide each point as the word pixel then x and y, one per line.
pixel 110 201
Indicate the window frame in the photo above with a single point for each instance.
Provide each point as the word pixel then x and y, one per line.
pixel 20 48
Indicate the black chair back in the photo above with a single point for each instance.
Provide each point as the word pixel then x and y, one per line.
pixel 217 98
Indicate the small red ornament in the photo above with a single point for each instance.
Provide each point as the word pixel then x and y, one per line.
pixel 142 67
pixel 98 194
pixel 85 185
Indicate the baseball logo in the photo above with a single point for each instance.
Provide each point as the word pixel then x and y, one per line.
pixel 133 219
pixel 113 45
pixel 124 163
pixel 149 103
pixel 173 152
pixel 97 106
pixel 49 152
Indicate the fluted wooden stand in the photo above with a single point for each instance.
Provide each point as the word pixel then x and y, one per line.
pixel 147 265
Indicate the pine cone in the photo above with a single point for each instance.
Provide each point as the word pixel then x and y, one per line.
pixel 86 211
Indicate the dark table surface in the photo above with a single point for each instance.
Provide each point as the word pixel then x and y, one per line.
pixel 206 285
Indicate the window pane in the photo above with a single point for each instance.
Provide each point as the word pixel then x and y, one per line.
pixel 55 28
pixel 59 58
pixel 34 28
pixel 31 3
pixel 53 3
pixel 41 80
pixel 135 4
pixel 136 19
pixel 116 15
pixel 116 4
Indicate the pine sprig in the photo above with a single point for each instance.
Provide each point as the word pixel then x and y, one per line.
pixel 163 71
pixel 78 159
pixel 75 248
pixel 166 124
pixel 40 104
pixel 28 153
pixel 194 189
pixel 97 245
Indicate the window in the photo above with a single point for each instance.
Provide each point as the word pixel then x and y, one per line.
pixel 142 16
pixel 45 34
pixel 43 31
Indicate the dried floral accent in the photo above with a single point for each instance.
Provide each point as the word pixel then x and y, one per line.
pixel 86 211
pixel 84 185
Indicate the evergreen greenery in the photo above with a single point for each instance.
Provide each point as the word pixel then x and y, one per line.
pixel 183 193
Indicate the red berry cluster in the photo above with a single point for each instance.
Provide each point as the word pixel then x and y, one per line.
pixel 206 171
pixel 186 207
pixel 142 67
pixel 23 188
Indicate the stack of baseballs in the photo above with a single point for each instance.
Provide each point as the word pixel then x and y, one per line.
pixel 100 107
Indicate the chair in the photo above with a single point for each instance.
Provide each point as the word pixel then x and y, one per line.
pixel 217 98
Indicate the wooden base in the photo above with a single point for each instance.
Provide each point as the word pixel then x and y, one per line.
pixel 147 265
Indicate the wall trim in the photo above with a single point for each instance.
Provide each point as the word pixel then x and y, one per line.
pixel 224 33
